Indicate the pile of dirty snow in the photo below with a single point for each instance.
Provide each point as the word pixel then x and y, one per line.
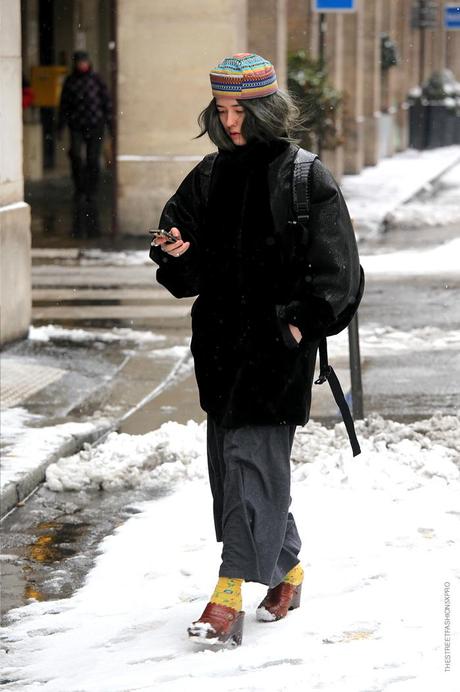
pixel 26 446
pixel 161 457
pixel 394 455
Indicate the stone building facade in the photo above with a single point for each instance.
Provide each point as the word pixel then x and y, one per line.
pixel 165 54
pixel 15 263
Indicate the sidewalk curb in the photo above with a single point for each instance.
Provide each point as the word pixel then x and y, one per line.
pixel 371 215
pixel 17 491
pixel 413 195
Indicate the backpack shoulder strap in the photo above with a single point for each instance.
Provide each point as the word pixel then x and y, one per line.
pixel 327 372
pixel 302 183
pixel 206 168
pixel 301 192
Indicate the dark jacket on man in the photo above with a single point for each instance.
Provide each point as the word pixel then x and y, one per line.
pixel 254 271
pixel 85 103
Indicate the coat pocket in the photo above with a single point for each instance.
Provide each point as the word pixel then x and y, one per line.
pixel 286 335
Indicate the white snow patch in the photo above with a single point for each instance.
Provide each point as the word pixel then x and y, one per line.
pixel 375 339
pixel 53 332
pixel 439 260
pixel 440 210
pixel 176 452
pixel 264 615
pixel 376 557
pixel 175 352
pixel 379 190
pixel 25 448
pixel 421 214
pixel 171 453
pixel 13 422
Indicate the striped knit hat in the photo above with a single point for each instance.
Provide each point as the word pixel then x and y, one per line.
pixel 244 76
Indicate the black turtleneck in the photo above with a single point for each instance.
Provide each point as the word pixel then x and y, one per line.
pixel 240 255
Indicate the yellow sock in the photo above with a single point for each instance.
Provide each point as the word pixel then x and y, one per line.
pixel 295 575
pixel 228 593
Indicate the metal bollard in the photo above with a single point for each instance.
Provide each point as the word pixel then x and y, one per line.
pixel 355 369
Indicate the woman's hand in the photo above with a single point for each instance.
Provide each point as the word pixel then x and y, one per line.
pixel 296 333
pixel 174 249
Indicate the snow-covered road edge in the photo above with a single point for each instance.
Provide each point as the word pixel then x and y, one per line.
pixel 43 447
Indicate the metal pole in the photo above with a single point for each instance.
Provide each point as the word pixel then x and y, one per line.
pixel 322 59
pixel 322 39
pixel 355 369
pixel 422 51
pixel 114 83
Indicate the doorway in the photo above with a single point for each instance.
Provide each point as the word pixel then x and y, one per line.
pixel 52 30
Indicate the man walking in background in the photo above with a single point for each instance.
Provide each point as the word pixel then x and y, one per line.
pixel 86 108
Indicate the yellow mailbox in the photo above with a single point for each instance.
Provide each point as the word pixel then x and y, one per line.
pixel 46 82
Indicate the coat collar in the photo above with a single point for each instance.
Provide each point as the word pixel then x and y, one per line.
pixel 256 152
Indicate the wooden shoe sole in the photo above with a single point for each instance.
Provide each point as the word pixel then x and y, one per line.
pixel 218 625
pixel 278 602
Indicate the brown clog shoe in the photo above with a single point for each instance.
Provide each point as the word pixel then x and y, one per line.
pixel 278 602
pixel 218 624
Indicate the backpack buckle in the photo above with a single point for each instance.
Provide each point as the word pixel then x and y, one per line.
pixel 323 375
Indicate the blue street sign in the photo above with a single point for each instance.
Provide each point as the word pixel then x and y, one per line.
pixel 334 5
pixel 451 17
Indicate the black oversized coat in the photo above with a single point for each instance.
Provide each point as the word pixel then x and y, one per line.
pixel 255 270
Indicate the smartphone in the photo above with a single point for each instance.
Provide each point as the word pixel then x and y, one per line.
pixel 161 233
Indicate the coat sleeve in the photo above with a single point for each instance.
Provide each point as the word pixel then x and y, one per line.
pixel 106 103
pixel 64 105
pixel 184 210
pixel 329 272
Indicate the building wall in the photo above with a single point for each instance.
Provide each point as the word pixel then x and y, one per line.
pixel 164 58
pixel 15 290
pixel 374 117
pixel 267 33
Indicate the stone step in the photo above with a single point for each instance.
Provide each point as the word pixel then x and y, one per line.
pixel 101 294
pixel 54 313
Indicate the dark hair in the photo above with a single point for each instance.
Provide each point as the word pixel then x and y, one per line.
pixel 272 117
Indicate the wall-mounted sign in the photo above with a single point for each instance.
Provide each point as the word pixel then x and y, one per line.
pixel 452 17
pixel 334 5
pixel 425 14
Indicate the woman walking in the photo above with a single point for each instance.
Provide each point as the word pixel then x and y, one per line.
pixel 266 294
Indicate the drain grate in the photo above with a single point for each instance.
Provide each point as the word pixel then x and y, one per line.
pixel 20 380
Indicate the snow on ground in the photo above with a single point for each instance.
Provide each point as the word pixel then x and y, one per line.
pixel 25 448
pixel 174 452
pixel 53 332
pixel 376 339
pixel 442 210
pixel 379 190
pixel 173 352
pixel 439 260
pixel 380 539
pixel 128 461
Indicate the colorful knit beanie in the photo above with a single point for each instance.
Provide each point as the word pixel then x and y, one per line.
pixel 244 76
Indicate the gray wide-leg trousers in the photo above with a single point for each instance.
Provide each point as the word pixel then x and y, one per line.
pixel 250 478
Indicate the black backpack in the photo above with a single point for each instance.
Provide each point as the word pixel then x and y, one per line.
pixel 301 194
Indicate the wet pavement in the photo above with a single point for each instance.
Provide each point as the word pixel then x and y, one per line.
pixel 51 201
pixel 49 546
